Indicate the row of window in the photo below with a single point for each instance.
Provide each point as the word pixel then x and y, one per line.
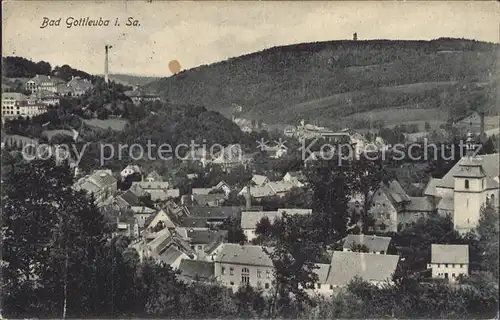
pixel 445 265
pixel 245 272
pixel 266 285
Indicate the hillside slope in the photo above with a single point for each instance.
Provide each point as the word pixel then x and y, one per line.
pixel 332 81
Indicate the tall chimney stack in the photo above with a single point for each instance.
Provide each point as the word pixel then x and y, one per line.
pixel 481 128
pixel 248 198
pixel 106 62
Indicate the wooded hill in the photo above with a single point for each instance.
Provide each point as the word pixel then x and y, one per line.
pixel 336 81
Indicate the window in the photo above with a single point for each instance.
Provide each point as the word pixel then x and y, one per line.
pixel 245 276
pixel 232 283
pixel 453 275
pixel 383 204
pixel 200 247
pixel 439 265
pixel 259 274
pixel 466 184
pixel 461 265
pixel 223 270
pixel 266 286
pixel 331 287
pixel 268 274
pixel 453 265
pixel 231 271
pixel 446 265
pixel 319 285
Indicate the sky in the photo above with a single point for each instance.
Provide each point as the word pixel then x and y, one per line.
pixel 197 33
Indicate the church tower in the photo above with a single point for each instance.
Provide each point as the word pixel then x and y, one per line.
pixel 468 192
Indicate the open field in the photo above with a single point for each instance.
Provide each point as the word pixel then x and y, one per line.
pixel 113 124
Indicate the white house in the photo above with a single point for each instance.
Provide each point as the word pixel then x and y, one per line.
pixel 448 261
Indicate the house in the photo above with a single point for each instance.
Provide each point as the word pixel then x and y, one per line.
pixel 208 200
pixel 101 183
pixel 156 244
pixel 162 194
pixel 12 103
pixel 212 250
pixel 172 257
pixel 154 176
pixel 43 83
pixel 138 95
pixel 63 90
pixel 238 265
pixel 230 157
pixel 259 180
pixel 47 98
pixel 322 287
pixel 196 270
pixel 213 216
pixel 258 192
pixel 249 220
pixel 148 185
pixel 385 204
pixel 142 214
pixel 79 86
pixel 200 239
pixel 374 268
pixel 448 261
pixel 296 177
pixel 222 186
pixel 472 182
pixel 374 244
pixel 158 221
pixel 126 199
pixel 280 188
pixel 130 169
pixel 418 207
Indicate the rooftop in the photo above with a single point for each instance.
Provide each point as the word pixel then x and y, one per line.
pixel 488 162
pixel 244 254
pixel 197 269
pixel 449 253
pixel 368 266
pixel 249 219
pixel 373 243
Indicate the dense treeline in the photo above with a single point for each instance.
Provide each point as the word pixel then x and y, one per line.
pixel 19 67
pixel 332 79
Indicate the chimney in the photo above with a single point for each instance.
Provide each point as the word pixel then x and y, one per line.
pixel 248 198
pixel 106 78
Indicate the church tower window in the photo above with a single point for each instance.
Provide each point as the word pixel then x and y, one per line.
pixel 466 184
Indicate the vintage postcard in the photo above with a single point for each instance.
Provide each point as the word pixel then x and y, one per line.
pixel 250 159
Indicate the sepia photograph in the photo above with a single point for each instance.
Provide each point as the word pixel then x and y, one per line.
pixel 250 159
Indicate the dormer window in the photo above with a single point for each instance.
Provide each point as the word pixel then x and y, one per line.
pixel 466 184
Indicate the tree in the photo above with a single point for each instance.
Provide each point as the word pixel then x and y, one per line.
pixel 293 256
pixel 50 236
pixel 331 185
pixel 234 232
pixel 367 178
pixel 488 233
